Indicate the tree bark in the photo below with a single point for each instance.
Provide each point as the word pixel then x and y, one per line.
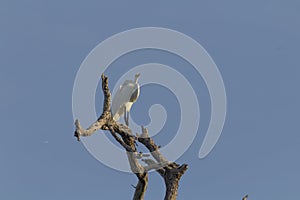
pixel 171 172
pixel 141 187
pixel 172 178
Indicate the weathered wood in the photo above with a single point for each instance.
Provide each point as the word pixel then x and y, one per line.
pixel 170 171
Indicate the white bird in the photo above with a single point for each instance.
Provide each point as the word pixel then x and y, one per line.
pixel 126 95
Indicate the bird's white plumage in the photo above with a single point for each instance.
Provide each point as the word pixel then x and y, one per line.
pixel 123 98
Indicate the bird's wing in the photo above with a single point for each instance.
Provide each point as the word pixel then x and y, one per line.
pixel 135 94
pixel 121 97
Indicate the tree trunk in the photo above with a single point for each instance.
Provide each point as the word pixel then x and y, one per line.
pixel 172 178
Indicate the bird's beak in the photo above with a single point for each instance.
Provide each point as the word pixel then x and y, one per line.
pixel 137 76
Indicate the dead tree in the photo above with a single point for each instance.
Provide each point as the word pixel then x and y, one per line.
pixel 171 172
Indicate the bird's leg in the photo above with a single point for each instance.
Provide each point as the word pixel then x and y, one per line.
pixel 126 116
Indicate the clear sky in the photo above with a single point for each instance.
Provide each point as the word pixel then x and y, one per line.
pixel 255 45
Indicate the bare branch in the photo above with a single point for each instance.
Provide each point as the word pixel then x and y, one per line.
pixel 151 146
pixel 141 187
pixel 89 131
pixel 128 148
pixel 171 171
pixel 107 94
pixel 153 165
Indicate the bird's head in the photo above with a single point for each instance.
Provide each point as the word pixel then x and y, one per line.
pixel 137 77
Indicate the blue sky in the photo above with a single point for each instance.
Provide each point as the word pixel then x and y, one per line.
pixel 255 45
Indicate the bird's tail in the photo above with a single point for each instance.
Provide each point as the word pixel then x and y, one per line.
pixel 116 117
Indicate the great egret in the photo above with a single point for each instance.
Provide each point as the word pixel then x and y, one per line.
pixel 126 95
